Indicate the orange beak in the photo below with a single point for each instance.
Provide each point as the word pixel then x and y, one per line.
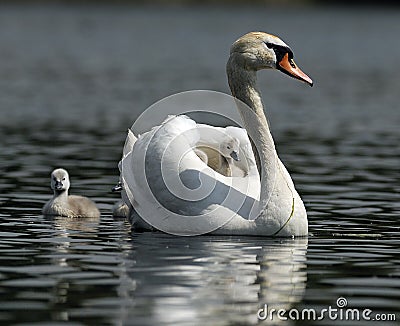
pixel 288 66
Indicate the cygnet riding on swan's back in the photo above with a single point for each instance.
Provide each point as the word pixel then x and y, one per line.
pixel 221 158
pixel 63 205
pixel 279 208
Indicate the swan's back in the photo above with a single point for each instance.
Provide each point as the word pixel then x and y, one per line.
pixel 162 174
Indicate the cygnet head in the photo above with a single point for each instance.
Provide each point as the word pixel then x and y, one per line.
pixel 60 180
pixel 259 50
pixel 230 148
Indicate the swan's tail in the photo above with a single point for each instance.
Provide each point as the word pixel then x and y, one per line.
pixel 129 142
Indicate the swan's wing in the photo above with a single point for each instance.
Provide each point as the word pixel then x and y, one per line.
pixel 169 181
pixel 210 135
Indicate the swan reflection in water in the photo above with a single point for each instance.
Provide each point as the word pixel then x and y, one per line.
pixel 163 280
pixel 72 230
pixel 208 280
pixel 77 226
pixel 153 278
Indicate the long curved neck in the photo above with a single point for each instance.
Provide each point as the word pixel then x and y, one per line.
pixel 242 83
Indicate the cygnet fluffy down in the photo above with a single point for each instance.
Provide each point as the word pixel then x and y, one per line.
pixel 64 205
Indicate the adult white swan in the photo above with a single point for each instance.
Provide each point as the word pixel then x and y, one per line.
pixel 171 189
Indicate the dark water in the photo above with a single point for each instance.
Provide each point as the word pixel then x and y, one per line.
pixel 74 79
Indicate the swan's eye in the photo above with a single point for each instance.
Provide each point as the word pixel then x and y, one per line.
pixel 269 45
pixel 63 179
pixel 228 147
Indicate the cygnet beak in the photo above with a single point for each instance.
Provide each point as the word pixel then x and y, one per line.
pixel 58 185
pixel 235 156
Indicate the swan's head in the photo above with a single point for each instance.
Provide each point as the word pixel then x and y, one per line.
pixel 59 180
pixel 259 50
pixel 230 148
